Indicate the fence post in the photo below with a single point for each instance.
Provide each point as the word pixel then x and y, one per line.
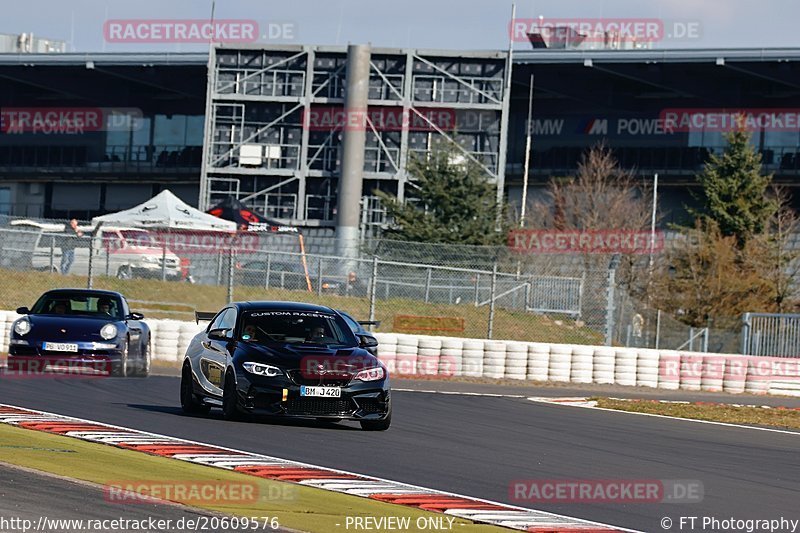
pixel 477 289
pixel 319 276
pixel 691 338
pixel 52 253
pixel 108 259
pixel 90 276
pixel 612 273
pixel 219 267
pixel 231 262
pixel 490 330
pixel 746 334
pixel 373 290
pixel 528 294
pixel 269 268
pixel 705 341
pixel 658 326
pixel 164 260
pixel 428 285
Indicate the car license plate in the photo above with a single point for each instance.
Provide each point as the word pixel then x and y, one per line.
pixel 322 392
pixel 60 347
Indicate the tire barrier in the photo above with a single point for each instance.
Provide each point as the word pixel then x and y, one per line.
pixel 432 356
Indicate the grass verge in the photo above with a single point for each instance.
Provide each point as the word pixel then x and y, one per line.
pixel 176 300
pixel 749 415
pixel 295 506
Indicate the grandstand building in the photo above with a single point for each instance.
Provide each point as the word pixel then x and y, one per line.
pixel 131 124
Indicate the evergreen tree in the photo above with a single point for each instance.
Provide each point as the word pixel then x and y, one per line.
pixel 733 190
pixel 450 200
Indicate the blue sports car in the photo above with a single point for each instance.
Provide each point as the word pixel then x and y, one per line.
pixel 82 331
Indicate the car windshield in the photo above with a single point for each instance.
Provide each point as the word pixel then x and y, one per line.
pixel 137 237
pixel 78 304
pixel 296 327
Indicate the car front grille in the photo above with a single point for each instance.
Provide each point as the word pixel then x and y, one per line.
pixel 318 406
pixel 332 381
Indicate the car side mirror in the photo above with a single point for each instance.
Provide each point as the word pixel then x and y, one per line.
pixel 23 310
pixel 218 334
pixel 135 316
pixel 367 341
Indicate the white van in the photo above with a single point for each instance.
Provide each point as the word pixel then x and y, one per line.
pixel 119 251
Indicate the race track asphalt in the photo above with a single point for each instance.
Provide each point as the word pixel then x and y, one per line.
pixel 477 446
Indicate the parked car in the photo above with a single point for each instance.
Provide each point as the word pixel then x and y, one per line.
pixel 123 252
pixel 291 275
pixel 80 329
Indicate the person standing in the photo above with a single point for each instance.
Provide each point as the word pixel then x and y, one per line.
pixel 68 244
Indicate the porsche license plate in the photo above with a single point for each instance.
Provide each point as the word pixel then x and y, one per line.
pixel 321 392
pixel 60 347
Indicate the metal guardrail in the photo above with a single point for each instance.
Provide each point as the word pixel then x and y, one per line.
pixel 771 334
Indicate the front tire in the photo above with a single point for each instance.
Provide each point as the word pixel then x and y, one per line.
pixel 143 368
pixel 121 370
pixel 189 403
pixel 230 400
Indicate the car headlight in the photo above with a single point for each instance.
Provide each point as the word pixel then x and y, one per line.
pixel 260 369
pixel 370 374
pixel 22 326
pixel 108 332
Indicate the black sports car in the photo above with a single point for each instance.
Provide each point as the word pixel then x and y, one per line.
pixel 79 330
pixel 285 359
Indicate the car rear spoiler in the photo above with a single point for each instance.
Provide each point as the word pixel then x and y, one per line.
pixel 375 323
pixel 204 316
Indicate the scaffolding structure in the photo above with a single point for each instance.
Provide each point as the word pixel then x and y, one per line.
pixel 261 146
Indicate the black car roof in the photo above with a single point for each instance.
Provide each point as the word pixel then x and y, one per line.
pixel 97 292
pixel 292 306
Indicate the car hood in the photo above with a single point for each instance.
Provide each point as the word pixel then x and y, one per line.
pixel 294 356
pixel 55 328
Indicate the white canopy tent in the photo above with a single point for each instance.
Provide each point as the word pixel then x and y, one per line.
pixel 166 211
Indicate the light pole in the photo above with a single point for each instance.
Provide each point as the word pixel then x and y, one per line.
pixel 527 157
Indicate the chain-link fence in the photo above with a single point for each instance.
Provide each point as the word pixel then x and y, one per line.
pixel 452 290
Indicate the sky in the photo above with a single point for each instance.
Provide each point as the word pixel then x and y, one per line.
pixel 446 24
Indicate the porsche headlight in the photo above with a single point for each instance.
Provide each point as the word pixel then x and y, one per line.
pixel 22 326
pixel 108 332
pixel 260 369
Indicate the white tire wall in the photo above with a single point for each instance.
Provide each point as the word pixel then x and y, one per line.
pixel 625 366
pixel 712 376
pixel 516 360
pixel 691 371
pixel 472 358
pixel 494 359
pixel 406 360
pixel 735 376
pixel 428 352
pixel 669 370
pixel 581 364
pixel 603 364
pixel 647 367
pixel 387 351
pixel 451 360
pixel 538 361
pixel 560 363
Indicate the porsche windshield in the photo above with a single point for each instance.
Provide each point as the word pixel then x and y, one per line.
pixel 77 303
pixel 296 327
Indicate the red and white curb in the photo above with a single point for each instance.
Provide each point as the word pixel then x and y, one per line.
pixel 474 509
